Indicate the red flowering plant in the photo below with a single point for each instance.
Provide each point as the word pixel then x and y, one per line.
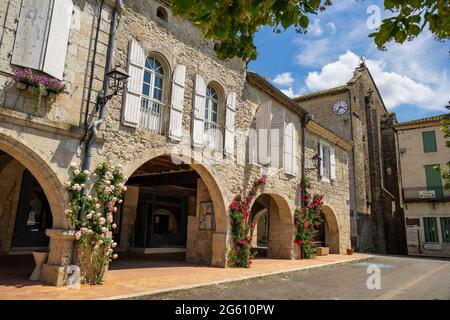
pixel 242 226
pixel 307 220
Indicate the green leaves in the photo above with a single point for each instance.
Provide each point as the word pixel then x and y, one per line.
pixel 411 18
pixel 234 23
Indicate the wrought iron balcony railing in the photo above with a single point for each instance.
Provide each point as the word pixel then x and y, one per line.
pixel 426 194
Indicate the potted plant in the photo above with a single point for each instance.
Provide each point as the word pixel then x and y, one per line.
pixel 349 251
pixel 42 84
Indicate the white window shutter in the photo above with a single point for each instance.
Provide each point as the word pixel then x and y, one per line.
pixel 294 150
pixel 177 103
pixel 321 155
pixel 277 138
pixel 229 124
pixel 289 149
pixel 253 147
pixel 132 98
pixel 31 35
pixel 58 38
pixel 263 126
pixel 199 112
pixel 332 164
pixel 42 36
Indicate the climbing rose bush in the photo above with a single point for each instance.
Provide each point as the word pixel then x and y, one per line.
pixel 307 220
pixel 105 186
pixel 242 226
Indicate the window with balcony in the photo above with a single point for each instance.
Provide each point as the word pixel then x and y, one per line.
pixel 212 126
pixel 152 106
pixel 429 141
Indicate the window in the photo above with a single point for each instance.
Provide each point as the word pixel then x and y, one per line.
pixel 327 161
pixel 42 36
pixel 430 229
pixel 445 227
pixel 211 105
pixel 212 128
pixel 433 179
pixel 161 13
pixel 429 141
pixel 152 105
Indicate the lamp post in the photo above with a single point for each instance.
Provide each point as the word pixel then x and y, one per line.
pixel 117 79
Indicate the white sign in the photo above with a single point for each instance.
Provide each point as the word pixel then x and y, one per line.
pixel 412 236
pixel 432 246
pixel 427 194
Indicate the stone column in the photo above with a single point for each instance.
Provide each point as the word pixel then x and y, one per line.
pixel 130 203
pixel 61 246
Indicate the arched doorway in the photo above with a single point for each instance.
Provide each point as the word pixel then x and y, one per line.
pixel 329 230
pixel 273 235
pixel 175 209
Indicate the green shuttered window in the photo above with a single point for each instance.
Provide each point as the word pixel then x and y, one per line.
pixel 429 141
pixel 430 229
pixel 445 226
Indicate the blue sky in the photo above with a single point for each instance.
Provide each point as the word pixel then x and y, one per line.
pixel 414 78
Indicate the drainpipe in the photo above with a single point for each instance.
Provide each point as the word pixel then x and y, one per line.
pixel 303 123
pixel 101 103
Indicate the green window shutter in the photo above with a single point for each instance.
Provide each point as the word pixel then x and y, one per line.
pixel 429 141
pixel 445 228
pixel 430 229
pixel 434 181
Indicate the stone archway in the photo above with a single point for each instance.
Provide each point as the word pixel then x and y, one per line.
pixel 331 230
pixel 46 177
pixel 212 244
pixel 280 238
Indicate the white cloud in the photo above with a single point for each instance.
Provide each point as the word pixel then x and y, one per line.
pixel 396 89
pixel 332 26
pixel 292 94
pixel 284 79
pixel 314 53
pixel 315 28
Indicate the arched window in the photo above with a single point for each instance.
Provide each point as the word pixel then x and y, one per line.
pixel 211 105
pixel 152 104
pixel 161 13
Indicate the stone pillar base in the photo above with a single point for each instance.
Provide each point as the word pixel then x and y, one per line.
pixel 54 272
pixel 219 246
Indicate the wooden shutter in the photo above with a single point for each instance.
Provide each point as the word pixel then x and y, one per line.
pixel 321 155
pixel 290 149
pixel 42 36
pixel 263 124
pixel 229 124
pixel 199 111
pixel 177 103
pixel 332 164
pixel 132 97
pixel 277 138
pixel 430 229
pixel 429 141
pixel 58 38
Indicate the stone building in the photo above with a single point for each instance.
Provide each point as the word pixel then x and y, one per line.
pixel 427 207
pixel 188 129
pixel 356 112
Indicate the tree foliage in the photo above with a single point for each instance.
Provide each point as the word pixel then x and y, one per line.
pixel 410 18
pixel 446 130
pixel 234 23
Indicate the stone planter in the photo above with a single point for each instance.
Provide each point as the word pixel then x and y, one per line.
pixel 91 269
pixel 322 251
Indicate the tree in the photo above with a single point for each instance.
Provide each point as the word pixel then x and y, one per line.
pixel 410 18
pixel 234 23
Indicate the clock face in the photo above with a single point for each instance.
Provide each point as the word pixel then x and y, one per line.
pixel 340 107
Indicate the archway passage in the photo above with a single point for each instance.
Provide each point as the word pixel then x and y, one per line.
pixel 273 233
pixel 170 211
pixel 329 231
pixel 25 215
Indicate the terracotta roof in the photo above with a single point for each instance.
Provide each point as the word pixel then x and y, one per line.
pixel 330 91
pixel 423 120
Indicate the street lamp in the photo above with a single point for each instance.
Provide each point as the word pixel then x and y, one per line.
pixel 117 78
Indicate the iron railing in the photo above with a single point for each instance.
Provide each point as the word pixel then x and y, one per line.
pixel 152 113
pixel 426 194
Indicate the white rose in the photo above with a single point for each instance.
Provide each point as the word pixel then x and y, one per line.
pixel 97 205
pixel 86 172
pixel 99 214
pixel 114 244
pixel 89 197
pixel 66 184
pixel 76 171
pixel 115 256
pixel 124 188
pixel 114 226
pixel 102 220
pixel 120 201
pixel 78 235
pixel 104 230
pixel 82 185
pixel 89 216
